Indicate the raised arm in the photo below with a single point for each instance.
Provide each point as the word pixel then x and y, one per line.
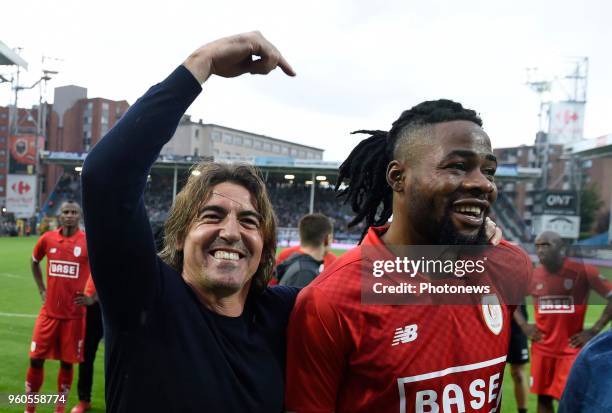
pixel 121 246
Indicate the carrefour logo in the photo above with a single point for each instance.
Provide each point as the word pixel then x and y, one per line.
pixel 21 187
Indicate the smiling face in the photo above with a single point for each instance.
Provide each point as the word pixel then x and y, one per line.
pixel 445 188
pixel 223 246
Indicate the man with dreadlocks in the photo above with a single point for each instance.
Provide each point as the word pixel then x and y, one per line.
pixel 433 172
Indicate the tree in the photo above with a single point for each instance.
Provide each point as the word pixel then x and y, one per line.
pixel 590 202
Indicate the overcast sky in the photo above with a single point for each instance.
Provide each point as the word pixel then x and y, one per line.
pixel 359 63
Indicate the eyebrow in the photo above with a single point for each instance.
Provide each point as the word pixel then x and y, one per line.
pixel 221 210
pixel 469 154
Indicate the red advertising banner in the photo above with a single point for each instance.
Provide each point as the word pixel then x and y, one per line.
pixel 22 150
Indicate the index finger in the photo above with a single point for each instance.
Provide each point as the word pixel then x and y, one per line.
pixel 262 47
pixel 285 66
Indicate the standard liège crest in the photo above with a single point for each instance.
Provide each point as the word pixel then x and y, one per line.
pixel 492 313
pixel 53 250
pixel 568 283
pixel 77 251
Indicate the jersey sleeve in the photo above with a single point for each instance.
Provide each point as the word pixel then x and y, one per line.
pixel 40 249
pixel 317 349
pixel 123 259
pixel 598 282
pixel 90 288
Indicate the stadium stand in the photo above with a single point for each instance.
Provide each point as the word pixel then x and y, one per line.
pixel 291 201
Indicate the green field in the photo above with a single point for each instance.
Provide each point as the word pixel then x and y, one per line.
pixel 20 302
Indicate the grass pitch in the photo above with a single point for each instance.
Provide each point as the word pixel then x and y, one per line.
pixel 20 303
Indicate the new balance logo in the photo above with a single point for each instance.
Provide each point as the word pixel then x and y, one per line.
pixel 405 335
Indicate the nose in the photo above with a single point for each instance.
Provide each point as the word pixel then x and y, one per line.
pixel 230 231
pixel 476 181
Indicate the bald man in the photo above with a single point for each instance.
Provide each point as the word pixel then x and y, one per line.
pixel 560 288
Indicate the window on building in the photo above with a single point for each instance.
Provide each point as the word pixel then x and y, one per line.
pixel 301 154
pixel 248 142
pixel 103 129
pixel 266 147
pixel 2 139
pixel 276 148
pixel 2 164
pixel 196 152
pixel 237 140
pixel 3 115
pixel 2 152
pixel 89 106
pixel 227 138
pixel 285 150
pixel 196 133
pixel 86 140
pixel 257 144
pixel 2 127
pixel 216 137
pixel 294 152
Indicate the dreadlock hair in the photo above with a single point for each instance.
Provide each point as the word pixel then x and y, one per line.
pixel 365 169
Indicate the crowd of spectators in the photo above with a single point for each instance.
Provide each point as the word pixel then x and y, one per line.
pixel 291 201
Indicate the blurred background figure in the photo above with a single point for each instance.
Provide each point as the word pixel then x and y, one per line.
pixel 301 264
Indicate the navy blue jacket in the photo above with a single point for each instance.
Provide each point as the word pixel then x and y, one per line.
pixel 166 352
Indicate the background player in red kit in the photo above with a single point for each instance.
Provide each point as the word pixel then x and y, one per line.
pixel 308 233
pixel 560 288
pixel 434 172
pixel 60 327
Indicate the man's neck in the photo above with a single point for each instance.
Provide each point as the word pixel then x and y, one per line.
pixel 68 231
pixel 402 233
pixel 317 253
pixel 555 267
pixel 229 305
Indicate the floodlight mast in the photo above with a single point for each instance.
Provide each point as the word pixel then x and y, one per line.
pixel 41 125
pixel 572 88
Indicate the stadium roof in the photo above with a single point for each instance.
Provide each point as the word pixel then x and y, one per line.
pixel 591 148
pixel 8 57
pixel 271 164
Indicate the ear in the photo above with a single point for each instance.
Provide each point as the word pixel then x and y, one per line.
pixel 180 243
pixel 328 240
pixel 396 174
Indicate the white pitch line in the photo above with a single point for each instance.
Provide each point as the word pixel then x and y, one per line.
pixel 8 274
pixel 17 315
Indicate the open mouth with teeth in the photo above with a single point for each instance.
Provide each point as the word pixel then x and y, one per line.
pixel 474 211
pixel 469 215
pixel 226 255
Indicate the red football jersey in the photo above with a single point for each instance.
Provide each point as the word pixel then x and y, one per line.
pixel 287 252
pixel 560 304
pixel 90 287
pixel 67 271
pixel 345 356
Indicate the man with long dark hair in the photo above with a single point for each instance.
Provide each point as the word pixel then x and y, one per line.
pixel 195 328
